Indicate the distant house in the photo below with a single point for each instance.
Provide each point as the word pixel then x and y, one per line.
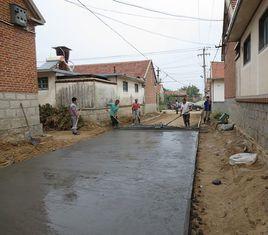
pixel 217 85
pixel 18 83
pixel 143 70
pixel 58 84
pixel 245 55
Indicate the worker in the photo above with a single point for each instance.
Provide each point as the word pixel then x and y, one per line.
pixel 207 110
pixel 74 115
pixel 185 112
pixel 114 107
pixel 177 105
pixel 136 111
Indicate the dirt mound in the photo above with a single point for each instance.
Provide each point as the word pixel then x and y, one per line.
pixel 240 204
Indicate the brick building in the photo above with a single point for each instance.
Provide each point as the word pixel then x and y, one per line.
pixel 143 69
pixel 245 54
pixel 18 74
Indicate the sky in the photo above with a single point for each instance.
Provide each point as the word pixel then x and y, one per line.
pixel 174 51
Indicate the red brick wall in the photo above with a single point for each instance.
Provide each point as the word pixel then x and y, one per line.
pixel 150 86
pixel 17 54
pixel 229 71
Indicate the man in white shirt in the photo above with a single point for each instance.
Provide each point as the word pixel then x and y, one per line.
pixel 185 112
pixel 74 115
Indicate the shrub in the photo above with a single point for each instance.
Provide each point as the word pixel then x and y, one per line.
pixel 56 118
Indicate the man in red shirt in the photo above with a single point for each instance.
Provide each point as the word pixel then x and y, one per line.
pixel 136 111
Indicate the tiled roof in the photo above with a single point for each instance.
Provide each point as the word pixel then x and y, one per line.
pixel 217 70
pixel 130 68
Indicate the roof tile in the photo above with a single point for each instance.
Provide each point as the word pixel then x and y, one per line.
pixel 130 68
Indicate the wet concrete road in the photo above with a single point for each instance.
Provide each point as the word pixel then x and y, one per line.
pixel 120 183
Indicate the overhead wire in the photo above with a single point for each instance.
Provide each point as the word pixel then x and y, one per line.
pixel 132 14
pixel 124 39
pixel 165 13
pixel 140 28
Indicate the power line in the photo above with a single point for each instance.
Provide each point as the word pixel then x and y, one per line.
pixel 140 28
pixel 131 14
pixel 152 53
pixel 120 35
pixel 165 13
pixel 210 24
pixel 123 38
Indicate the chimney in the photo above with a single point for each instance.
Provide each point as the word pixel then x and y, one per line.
pixel 63 51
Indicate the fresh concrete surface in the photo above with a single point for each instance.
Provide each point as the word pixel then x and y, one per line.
pixel 123 182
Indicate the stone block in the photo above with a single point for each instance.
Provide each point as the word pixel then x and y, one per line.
pixel 21 96
pixel 17 123
pixel 11 113
pixel 10 96
pixel 4 124
pixel 2 114
pixel 15 104
pixel 4 104
pixel 34 103
pixel 26 103
pixel 31 96
pixel 1 95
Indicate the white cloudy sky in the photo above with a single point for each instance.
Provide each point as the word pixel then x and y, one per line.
pixel 89 39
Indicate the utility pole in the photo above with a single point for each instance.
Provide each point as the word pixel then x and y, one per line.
pixel 204 54
pixel 158 74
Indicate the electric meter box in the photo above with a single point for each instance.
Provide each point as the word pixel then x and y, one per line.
pixel 18 15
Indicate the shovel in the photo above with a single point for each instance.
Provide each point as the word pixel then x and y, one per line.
pixel 28 135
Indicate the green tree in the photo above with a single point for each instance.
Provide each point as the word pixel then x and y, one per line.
pixel 192 92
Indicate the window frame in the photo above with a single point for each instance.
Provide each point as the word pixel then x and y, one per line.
pixel 246 50
pixel 136 86
pixel 263 39
pixel 125 86
pixel 41 86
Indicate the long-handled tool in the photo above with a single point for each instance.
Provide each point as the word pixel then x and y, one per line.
pixel 173 120
pixel 28 135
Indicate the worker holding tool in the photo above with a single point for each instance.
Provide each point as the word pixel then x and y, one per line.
pixel 136 111
pixel 185 112
pixel 207 109
pixel 74 115
pixel 114 107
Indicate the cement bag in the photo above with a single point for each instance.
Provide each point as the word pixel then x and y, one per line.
pixel 243 158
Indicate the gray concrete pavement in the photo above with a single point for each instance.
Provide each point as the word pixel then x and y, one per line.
pixel 123 182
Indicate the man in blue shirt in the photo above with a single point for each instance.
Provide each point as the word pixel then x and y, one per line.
pixel 114 107
pixel 207 109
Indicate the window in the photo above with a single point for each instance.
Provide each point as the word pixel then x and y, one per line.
pixel 263 31
pixel 136 88
pixel 43 83
pixel 247 50
pixel 125 86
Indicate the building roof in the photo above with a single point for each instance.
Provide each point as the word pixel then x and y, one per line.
pixel 52 66
pixel 130 68
pixel 217 70
pixel 38 18
pixel 243 13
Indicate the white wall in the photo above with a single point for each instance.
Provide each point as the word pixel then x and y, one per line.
pixel 48 96
pixel 104 93
pixel 252 77
pixel 127 98
pixel 217 90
